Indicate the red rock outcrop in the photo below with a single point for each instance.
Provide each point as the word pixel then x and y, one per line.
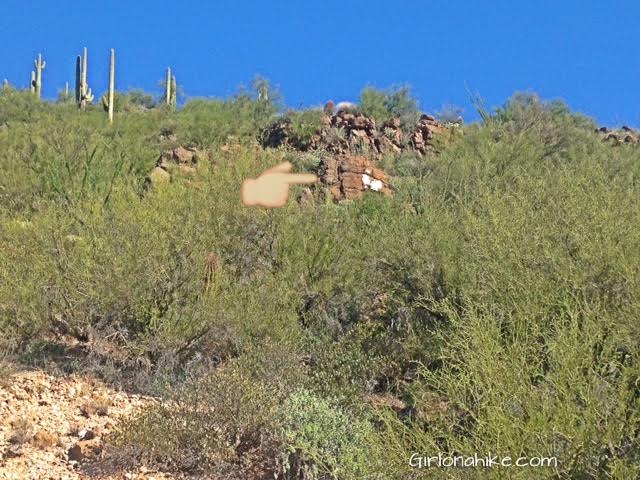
pixel 349 176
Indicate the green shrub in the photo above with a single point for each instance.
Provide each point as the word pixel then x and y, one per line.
pixel 20 106
pixel 131 101
pixel 221 421
pixel 450 114
pixel 395 102
pixel 304 124
pixel 323 442
pixel 525 109
pixel 214 122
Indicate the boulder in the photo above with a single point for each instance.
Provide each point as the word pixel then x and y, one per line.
pixel 185 156
pixel 277 134
pixel 352 181
pixel 86 434
pixel 393 123
pixel 361 122
pixel 85 450
pixel 179 156
pixel 180 160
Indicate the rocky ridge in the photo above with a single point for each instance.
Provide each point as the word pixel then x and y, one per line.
pixel 348 132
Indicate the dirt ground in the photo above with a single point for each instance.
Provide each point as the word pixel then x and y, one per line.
pixel 53 427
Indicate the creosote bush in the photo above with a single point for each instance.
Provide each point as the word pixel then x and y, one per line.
pixel 394 102
pixel 305 124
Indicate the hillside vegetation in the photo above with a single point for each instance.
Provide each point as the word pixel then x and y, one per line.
pixel 489 306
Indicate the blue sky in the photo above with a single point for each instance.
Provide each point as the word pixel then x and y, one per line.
pixel 585 52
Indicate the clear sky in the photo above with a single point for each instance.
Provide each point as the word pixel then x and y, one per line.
pixel 585 52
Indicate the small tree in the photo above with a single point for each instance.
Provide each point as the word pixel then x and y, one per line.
pixel 141 99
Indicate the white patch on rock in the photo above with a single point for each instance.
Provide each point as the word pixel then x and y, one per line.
pixel 366 179
pixel 376 185
pixel 346 107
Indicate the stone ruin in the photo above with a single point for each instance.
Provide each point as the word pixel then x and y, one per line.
pixel 353 142
pixel 348 132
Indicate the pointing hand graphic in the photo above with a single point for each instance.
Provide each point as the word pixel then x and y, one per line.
pixel 271 189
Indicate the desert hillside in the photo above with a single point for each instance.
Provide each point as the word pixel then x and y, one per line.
pixel 445 288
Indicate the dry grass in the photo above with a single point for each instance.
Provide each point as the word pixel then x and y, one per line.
pixel 22 431
pixel 96 406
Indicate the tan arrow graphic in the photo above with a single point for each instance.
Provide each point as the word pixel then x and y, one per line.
pixel 271 188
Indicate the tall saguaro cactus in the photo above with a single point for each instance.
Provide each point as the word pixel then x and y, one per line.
pixel 32 82
pixel 174 92
pixel 170 91
pixel 78 93
pixel 112 82
pixel 40 65
pixel 167 88
pixel 83 92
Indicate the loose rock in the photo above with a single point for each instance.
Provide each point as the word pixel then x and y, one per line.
pixel 85 450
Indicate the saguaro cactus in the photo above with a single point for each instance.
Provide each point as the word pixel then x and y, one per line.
pixel 83 92
pixel 32 82
pixel 174 92
pixel 78 93
pixel 112 82
pixel 40 65
pixel 170 89
pixel 167 88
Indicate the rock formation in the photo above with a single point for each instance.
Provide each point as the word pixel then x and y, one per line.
pixel 426 130
pixel 347 132
pixel 181 160
pixel 349 176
